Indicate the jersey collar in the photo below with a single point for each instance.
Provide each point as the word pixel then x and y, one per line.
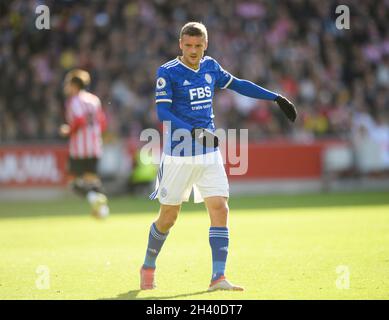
pixel 183 64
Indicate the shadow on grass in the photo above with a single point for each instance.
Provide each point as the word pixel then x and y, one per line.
pixel 133 295
pixel 127 205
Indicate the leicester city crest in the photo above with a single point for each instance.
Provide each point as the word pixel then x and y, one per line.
pixel 208 78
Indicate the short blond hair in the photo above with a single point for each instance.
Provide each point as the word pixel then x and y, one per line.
pixel 79 77
pixel 193 28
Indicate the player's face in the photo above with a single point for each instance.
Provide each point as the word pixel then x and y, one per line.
pixel 66 88
pixel 69 89
pixel 193 48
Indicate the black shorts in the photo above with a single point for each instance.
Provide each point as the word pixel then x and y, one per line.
pixel 79 167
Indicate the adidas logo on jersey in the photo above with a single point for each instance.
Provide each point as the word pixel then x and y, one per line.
pixel 186 83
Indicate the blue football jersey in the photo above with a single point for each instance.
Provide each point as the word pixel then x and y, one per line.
pixel 190 93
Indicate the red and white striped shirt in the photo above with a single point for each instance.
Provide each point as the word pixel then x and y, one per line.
pixel 87 122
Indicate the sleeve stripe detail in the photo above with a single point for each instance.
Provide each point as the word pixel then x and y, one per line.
pixel 163 100
pixel 228 83
pixel 169 63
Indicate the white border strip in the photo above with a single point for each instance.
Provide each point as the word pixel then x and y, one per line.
pixel 201 101
pixel 228 83
pixel 163 100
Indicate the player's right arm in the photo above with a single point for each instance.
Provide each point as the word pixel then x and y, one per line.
pixel 163 100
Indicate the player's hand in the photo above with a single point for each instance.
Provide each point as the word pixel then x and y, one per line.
pixel 64 130
pixel 205 137
pixel 287 108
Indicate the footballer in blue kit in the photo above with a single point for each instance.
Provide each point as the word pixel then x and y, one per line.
pixel 185 88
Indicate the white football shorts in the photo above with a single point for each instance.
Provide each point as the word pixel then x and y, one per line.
pixel 177 176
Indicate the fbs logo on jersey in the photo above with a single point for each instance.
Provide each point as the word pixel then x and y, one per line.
pixel 161 83
pixel 200 93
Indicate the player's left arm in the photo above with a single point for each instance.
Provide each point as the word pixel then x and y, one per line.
pixel 250 89
pixel 247 88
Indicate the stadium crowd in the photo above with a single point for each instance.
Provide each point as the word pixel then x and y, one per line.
pixel 338 79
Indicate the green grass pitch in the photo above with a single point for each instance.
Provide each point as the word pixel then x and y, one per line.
pixel 281 247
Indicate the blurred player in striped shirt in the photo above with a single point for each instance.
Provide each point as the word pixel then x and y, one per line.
pixel 85 122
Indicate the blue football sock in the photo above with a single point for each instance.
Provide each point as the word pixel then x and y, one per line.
pixel 156 240
pixel 218 239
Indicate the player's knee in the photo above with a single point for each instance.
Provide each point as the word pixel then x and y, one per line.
pixel 167 217
pixel 81 186
pixel 90 177
pixel 223 211
pixel 218 212
pixel 220 207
